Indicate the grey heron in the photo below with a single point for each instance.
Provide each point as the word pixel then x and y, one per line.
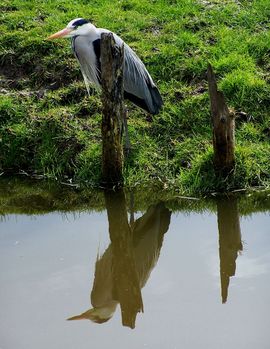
pixel 138 84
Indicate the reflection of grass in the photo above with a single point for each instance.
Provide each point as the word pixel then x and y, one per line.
pixel 57 132
pixel 23 196
pixel 37 197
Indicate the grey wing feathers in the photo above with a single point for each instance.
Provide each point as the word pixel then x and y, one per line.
pixel 138 84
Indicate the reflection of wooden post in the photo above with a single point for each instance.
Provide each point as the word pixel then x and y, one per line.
pixel 223 127
pixel 229 241
pixel 112 99
pixel 125 278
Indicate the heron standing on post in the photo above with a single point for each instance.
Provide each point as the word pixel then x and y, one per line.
pixel 139 87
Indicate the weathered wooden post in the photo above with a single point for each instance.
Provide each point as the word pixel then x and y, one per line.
pixel 223 127
pixel 112 58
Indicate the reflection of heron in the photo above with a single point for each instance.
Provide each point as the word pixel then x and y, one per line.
pixel 229 241
pixel 146 241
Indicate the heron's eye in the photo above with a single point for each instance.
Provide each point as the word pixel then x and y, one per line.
pixel 75 27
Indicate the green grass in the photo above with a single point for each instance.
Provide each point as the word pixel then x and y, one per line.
pixel 49 126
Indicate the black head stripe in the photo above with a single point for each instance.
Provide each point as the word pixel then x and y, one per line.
pixel 80 22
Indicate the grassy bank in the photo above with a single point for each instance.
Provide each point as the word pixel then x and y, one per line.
pixel 49 126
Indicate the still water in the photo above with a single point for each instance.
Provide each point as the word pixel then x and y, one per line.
pixel 160 276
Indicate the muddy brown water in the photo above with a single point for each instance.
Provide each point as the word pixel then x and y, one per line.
pixel 128 278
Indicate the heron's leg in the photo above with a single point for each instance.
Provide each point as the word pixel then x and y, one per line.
pixel 127 146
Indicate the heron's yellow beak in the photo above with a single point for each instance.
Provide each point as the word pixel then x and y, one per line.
pixel 61 34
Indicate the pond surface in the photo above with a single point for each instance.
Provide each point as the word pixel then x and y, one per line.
pixel 156 277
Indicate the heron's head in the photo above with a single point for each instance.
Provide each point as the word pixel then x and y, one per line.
pixel 77 26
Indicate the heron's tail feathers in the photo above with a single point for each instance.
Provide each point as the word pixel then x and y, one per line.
pixel 152 102
pixel 156 100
